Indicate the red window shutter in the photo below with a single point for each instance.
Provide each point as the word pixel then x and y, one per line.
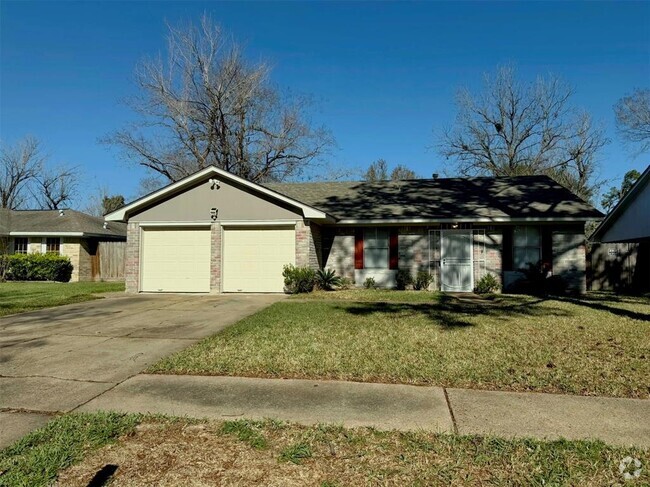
pixel 358 248
pixel 393 250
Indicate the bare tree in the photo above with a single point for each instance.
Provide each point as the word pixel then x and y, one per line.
pixel 55 188
pixel 378 171
pixel 206 105
pixel 400 172
pixel 151 184
pixel 20 164
pixel 633 118
pixel 512 129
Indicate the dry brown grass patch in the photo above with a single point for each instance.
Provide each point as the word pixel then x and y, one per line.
pixel 171 454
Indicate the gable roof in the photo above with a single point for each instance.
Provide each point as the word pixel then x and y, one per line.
pixel 620 208
pixel 122 214
pixel 52 223
pixel 531 198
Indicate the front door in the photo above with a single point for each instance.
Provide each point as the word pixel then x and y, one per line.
pixel 456 266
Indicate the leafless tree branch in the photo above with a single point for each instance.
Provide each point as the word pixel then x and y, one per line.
pixel 55 188
pixel 204 104
pixel 512 129
pixel 633 119
pixel 20 164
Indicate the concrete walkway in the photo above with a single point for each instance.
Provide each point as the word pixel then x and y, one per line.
pixel 385 406
pixel 56 359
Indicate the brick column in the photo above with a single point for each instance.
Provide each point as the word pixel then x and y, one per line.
pixel 215 258
pixel 315 247
pixel 303 238
pixel 132 265
pixel 70 248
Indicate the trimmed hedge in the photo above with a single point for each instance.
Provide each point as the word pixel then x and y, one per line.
pixel 38 267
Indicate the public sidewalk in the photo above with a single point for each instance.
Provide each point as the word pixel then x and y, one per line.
pixel 385 406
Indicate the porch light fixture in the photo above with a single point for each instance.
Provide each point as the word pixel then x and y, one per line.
pixel 454 226
pixel 214 184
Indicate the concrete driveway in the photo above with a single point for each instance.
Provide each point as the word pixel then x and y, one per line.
pixel 57 359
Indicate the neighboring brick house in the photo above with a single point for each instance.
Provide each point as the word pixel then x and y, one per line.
pixel 65 232
pixel 214 231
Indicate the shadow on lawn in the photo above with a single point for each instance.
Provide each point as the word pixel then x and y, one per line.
pixel 597 304
pixel 451 312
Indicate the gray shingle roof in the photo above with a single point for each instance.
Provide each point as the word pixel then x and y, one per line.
pixel 49 221
pixel 442 198
pixel 4 221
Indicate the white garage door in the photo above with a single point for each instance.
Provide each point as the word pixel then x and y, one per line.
pixel 176 260
pixel 253 258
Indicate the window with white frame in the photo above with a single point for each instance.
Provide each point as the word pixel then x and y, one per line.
pixel 527 246
pixel 376 243
pixel 51 245
pixel 21 245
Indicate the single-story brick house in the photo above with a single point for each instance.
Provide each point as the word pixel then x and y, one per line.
pixel 65 232
pixel 628 223
pixel 214 231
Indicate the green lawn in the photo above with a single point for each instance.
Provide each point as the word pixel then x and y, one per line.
pixel 138 450
pixel 599 345
pixel 18 297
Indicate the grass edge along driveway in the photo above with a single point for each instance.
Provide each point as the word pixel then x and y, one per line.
pixel 74 447
pixel 19 297
pixel 593 346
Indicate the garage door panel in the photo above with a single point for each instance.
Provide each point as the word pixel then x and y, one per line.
pixel 176 260
pixel 253 258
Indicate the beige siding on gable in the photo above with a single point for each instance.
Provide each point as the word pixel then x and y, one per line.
pixel 634 222
pixel 232 203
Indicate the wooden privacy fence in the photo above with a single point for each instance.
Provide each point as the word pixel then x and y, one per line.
pixel 108 262
pixel 615 266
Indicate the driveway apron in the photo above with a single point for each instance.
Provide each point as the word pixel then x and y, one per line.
pixel 56 359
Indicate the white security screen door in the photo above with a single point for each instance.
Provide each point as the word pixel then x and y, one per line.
pixel 456 266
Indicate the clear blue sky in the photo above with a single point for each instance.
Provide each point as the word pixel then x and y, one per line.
pixel 384 73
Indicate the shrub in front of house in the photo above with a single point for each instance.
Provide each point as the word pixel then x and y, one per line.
pixel 345 283
pixel 327 280
pixel 487 284
pixel 298 279
pixel 403 279
pixel 370 283
pixel 422 281
pixel 38 267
